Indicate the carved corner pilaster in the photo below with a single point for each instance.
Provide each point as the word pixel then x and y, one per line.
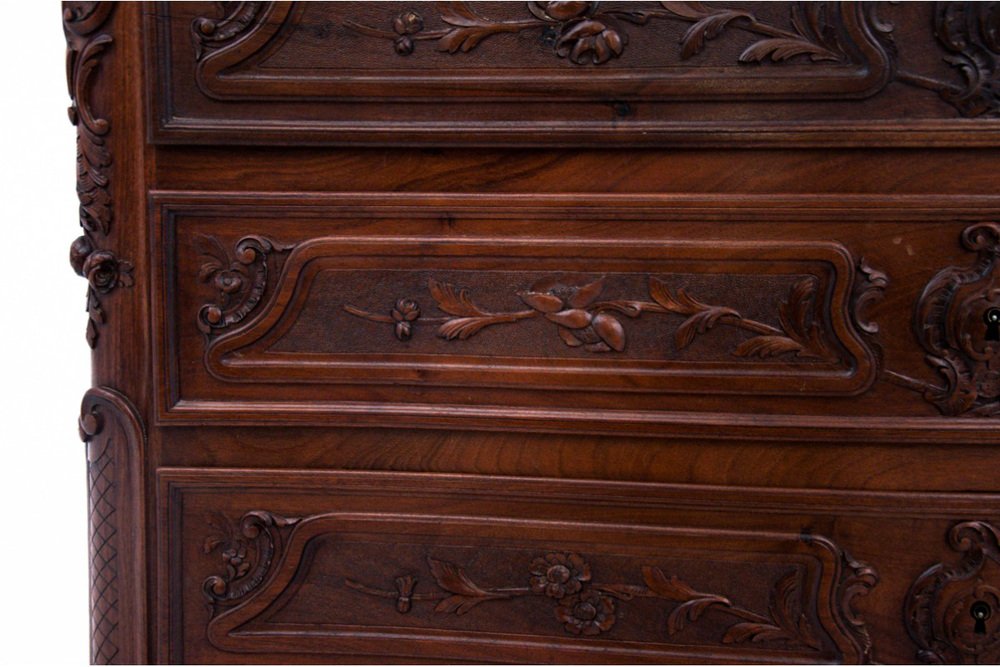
pixel 952 611
pixel 115 438
pixel 87 43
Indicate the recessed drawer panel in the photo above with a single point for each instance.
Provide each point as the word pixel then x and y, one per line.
pixel 542 73
pixel 651 311
pixel 313 565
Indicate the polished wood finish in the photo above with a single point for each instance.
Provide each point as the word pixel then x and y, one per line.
pixel 546 332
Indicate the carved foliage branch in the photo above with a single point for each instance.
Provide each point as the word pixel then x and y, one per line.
pixel 587 607
pixel 104 270
pixel 583 321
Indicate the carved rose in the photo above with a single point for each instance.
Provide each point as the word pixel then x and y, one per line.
pixel 561 11
pixel 559 575
pixel 564 301
pixel 588 613
pixel 105 272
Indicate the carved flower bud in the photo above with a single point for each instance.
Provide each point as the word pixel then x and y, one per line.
pixel 403 46
pixel 408 23
pixel 564 11
pixel 403 330
pixel 406 310
pixel 78 253
pixel 228 282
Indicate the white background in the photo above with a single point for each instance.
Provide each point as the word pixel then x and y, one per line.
pixel 45 366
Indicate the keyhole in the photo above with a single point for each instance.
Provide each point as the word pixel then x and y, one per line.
pixel 980 611
pixel 992 318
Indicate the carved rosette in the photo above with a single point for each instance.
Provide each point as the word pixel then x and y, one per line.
pixel 952 611
pixel 114 434
pixel 87 43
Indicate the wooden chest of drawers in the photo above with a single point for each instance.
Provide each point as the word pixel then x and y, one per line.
pixel 546 331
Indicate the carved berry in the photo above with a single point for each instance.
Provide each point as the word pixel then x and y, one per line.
pixel 78 253
pixel 403 46
pixel 408 23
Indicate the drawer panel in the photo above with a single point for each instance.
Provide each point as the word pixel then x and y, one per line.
pixel 573 74
pixel 650 311
pixel 324 566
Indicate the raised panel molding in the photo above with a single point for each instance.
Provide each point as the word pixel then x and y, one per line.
pixel 809 606
pixel 576 73
pixel 115 438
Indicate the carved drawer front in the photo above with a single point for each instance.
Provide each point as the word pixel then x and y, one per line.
pixel 535 73
pixel 305 565
pixel 646 313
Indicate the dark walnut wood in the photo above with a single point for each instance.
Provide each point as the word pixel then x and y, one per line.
pixel 540 332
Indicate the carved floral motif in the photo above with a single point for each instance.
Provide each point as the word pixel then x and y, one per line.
pixel 86 45
pixel 584 33
pixel 952 610
pixel 247 551
pixel 239 279
pixel 571 302
pixel 586 607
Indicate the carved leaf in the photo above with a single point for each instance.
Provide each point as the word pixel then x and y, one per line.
pixel 461 14
pixel 586 294
pixel 688 10
pixel 692 611
pixel 453 579
pixel 610 330
pixel 569 338
pixel 573 318
pixel 544 302
pixel 700 323
pixel 669 589
pixel 454 301
pixel 753 632
pixel 767 346
pixel 794 313
pixel 682 304
pixel 464 327
pixel 707 28
pixel 783 48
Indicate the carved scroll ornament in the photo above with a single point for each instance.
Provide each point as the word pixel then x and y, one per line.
pixel 952 610
pixel 105 272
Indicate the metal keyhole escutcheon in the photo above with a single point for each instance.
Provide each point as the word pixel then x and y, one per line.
pixel 980 612
pixel 992 318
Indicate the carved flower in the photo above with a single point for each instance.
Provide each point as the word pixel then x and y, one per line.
pixel 405 312
pixel 105 272
pixel 582 38
pixel 564 300
pixel 588 613
pixel 588 39
pixel 561 11
pixel 228 282
pixel 559 575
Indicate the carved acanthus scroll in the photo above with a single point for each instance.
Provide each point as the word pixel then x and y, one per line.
pixel 952 610
pixel 87 43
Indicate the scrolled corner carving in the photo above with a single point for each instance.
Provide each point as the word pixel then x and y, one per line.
pixel 209 34
pixel 952 324
pixel 115 438
pixel 87 43
pixel 952 610
pixel 868 290
pixel 970 32
pixel 247 549
pixel 239 278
